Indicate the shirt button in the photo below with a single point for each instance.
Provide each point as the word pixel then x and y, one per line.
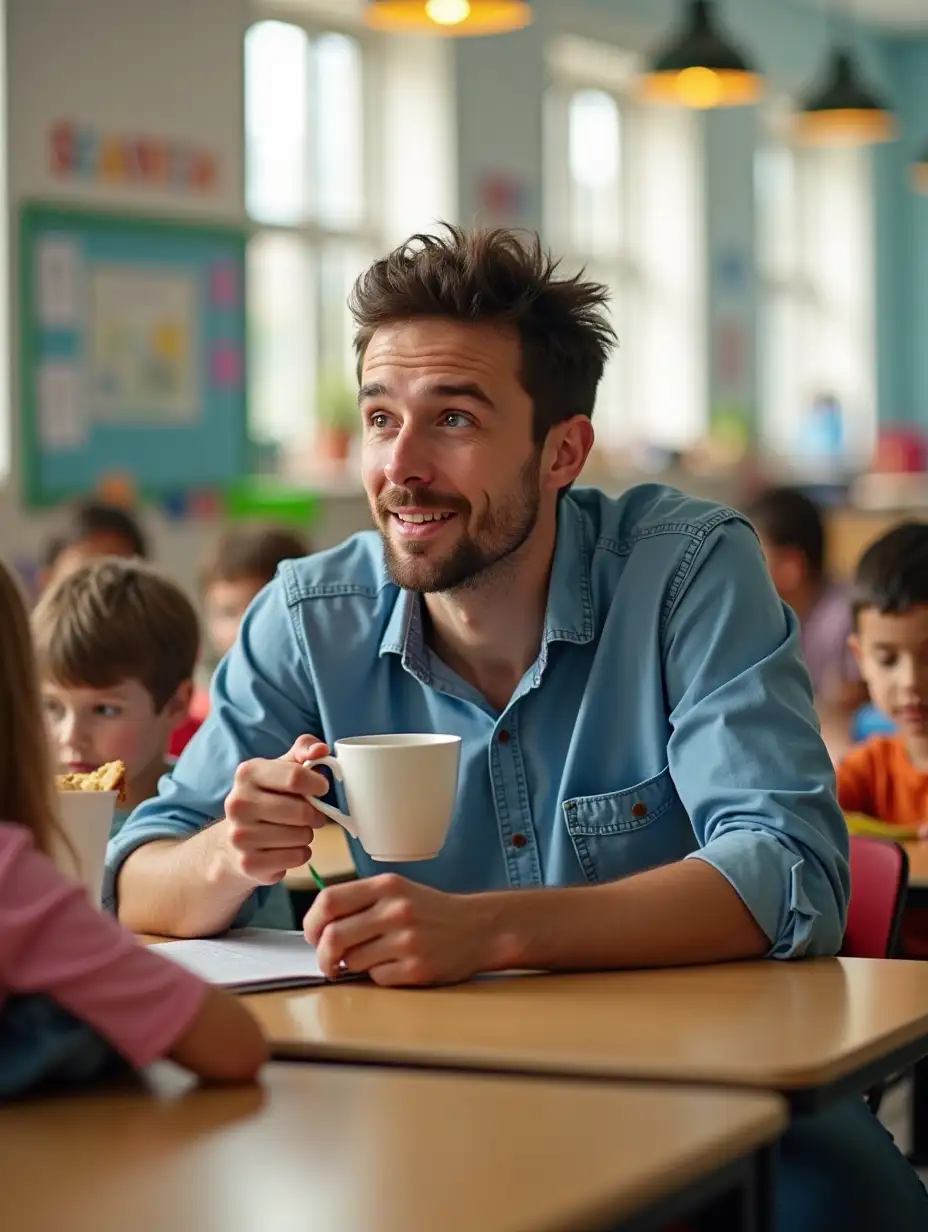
pixel 640 809
pixel 519 840
pixel 504 736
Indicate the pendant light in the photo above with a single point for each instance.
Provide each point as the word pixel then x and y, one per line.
pixel 700 68
pixel 844 111
pixel 454 17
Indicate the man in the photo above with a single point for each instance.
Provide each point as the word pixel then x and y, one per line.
pixel 642 780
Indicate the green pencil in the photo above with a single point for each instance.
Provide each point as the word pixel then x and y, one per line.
pixel 320 884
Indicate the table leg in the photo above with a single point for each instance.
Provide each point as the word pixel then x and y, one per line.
pixel 919 1153
pixel 765 1167
pixel 748 1207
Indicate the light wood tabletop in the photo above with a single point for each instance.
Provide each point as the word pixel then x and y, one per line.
pixel 341 1150
pixel 815 1030
pixel 331 860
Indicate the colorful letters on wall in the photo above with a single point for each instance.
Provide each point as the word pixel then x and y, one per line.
pixel 79 152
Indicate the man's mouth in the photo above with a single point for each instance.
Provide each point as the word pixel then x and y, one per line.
pixel 418 518
pixel 418 525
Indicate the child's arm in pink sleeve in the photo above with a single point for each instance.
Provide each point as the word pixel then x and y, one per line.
pixel 53 941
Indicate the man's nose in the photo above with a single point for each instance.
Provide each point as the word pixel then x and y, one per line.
pixel 409 464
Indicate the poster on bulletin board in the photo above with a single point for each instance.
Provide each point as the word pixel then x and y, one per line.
pixel 132 353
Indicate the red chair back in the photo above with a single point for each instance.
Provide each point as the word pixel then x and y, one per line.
pixel 879 880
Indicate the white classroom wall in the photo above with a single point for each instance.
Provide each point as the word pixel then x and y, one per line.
pixel 162 68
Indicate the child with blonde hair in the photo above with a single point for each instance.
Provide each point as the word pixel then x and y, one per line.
pixel 76 990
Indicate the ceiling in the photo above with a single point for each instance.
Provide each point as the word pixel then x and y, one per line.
pixel 897 15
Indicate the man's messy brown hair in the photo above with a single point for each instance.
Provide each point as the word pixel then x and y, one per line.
pixel 504 278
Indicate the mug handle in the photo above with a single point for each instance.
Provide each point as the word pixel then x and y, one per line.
pixel 329 809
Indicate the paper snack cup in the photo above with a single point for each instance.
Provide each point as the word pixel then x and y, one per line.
pixel 86 819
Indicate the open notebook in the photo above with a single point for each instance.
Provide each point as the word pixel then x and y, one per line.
pixel 249 959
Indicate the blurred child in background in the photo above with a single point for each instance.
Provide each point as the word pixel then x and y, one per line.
pixel 117 644
pixel 95 530
pixel 792 535
pixel 76 990
pixel 244 560
pixel 887 776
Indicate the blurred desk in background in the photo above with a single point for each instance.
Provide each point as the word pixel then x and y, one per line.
pixel 331 859
pixel 850 532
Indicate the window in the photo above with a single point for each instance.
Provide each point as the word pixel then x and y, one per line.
pixel 624 201
pixel 817 343
pixel 307 194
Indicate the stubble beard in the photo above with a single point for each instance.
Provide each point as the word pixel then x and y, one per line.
pixel 480 555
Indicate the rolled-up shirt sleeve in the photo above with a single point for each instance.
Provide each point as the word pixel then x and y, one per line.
pixel 261 700
pixel 745 753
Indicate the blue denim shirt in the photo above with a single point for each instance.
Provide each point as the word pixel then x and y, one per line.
pixel 668 715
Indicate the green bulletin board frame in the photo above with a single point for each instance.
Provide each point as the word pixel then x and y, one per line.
pixel 72 437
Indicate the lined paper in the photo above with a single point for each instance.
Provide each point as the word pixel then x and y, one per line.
pixel 248 959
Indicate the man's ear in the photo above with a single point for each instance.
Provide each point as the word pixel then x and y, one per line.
pixel 565 452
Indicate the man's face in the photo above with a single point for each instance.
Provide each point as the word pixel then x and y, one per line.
pixel 892 651
pixel 450 467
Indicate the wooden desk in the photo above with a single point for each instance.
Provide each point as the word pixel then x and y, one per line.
pixel 331 860
pixel 814 1030
pixel 342 1150
pixel 849 532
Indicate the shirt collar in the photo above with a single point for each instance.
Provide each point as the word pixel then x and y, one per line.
pixel 403 634
pixel 569 614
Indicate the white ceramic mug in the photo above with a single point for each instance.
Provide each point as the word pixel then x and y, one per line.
pixel 401 792
pixel 86 818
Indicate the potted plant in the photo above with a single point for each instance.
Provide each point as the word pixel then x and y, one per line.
pixel 337 417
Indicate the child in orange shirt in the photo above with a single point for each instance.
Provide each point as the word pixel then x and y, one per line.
pixel 887 776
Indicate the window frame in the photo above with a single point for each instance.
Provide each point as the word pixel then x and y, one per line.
pixel 793 286
pixel 628 272
pixel 314 26
pixel 315 236
pixel 617 271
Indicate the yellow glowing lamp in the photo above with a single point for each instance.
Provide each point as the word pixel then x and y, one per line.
pixel 844 111
pixel 699 68
pixel 454 17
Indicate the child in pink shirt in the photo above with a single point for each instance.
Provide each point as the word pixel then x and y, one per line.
pixel 76 991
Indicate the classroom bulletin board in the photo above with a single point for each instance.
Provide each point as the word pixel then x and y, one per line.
pixel 132 358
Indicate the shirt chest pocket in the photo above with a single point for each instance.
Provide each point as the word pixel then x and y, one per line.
pixel 624 832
